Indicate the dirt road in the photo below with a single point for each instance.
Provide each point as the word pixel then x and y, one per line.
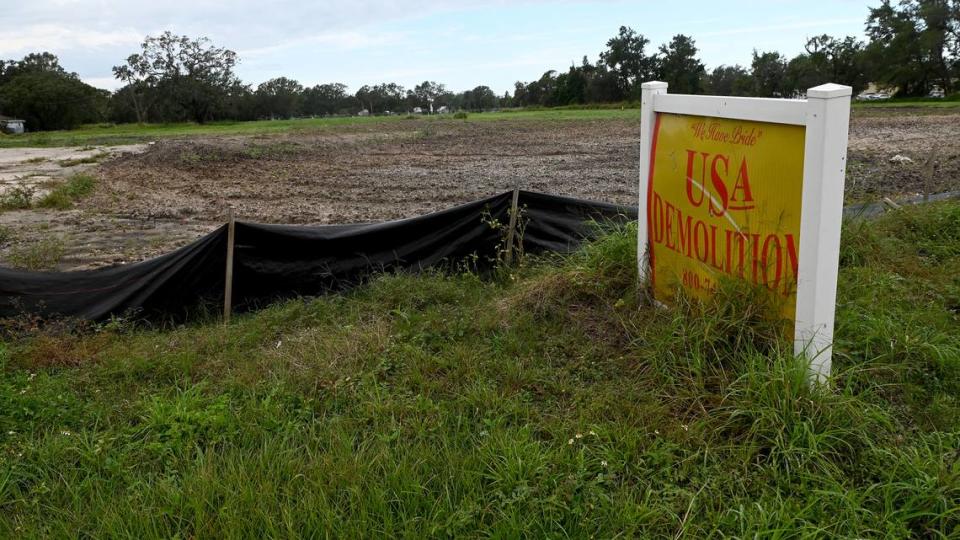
pixel 152 199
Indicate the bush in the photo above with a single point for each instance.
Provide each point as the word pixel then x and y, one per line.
pixel 461 115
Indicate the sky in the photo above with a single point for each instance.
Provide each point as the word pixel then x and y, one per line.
pixel 462 44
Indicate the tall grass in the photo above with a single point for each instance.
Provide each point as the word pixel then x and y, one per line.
pixel 546 402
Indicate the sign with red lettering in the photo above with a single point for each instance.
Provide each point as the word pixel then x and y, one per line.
pixel 725 200
pixel 751 189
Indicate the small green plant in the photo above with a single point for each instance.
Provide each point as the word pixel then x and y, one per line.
pixel 43 255
pixel 460 115
pixel 83 160
pixel 507 254
pixel 19 197
pixel 6 235
pixel 65 195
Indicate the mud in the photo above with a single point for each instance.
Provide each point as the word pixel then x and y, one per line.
pixel 151 199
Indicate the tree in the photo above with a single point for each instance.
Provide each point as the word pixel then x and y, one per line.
pixel 38 90
pixel 680 67
pixel 915 45
pixel 326 99
pixel 769 72
pixel 729 81
pixel 626 57
pixel 51 100
pixel 480 98
pixel 44 62
pixel 381 98
pixel 191 74
pixel 279 98
pixel 828 59
pixel 426 93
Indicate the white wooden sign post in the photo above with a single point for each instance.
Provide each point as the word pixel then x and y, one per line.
pixel 750 188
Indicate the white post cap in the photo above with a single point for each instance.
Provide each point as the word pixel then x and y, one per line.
pixel 829 90
pixel 653 85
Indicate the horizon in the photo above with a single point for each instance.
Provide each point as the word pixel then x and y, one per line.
pixel 464 46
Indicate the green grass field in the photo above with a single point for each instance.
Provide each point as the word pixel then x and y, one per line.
pixel 109 134
pixel 136 133
pixel 543 401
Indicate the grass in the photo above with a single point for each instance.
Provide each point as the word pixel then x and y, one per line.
pixel 105 135
pixel 18 197
pixel 541 402
pixel 66 194
pixel 96 158
pixel 38 256
pixel 6 235
pixel 111 134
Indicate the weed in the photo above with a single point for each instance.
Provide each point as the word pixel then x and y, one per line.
pixel 271 150
pixel 96 158
pixel 42 255
pixel 65 195
pixel 460 115
pixel 6 235
pixel 18 197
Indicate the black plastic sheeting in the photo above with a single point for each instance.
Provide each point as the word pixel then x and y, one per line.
pixel 282 261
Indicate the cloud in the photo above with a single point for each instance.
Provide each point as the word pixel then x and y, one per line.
pixel 797 25
pixel 56 37
pixel 110 83
pixel 347 40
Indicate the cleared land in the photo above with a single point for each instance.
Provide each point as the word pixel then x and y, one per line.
pixel 159 196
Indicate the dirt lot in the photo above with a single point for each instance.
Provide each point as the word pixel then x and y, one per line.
pixel 152 198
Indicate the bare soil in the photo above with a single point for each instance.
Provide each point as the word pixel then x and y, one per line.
pixel 154 198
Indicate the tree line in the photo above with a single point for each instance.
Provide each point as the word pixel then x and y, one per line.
pixel 912 46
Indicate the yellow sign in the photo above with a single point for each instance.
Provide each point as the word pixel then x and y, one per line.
pixel 724 201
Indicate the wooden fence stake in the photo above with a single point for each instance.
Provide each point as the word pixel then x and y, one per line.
pixel 228 282
pixel 513 224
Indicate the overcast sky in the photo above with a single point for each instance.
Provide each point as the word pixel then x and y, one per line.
pixel 460 43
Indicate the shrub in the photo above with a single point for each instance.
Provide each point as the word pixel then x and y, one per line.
pixel 461 115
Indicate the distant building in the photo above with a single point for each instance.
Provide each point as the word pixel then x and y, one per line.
pixel 363 112
pixel 11 125
pixel 443 110
pixel 418 110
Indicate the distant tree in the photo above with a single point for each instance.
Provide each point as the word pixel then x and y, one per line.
pixel 191 74
pixel 828 59
pixel 51 100
pixel 481 98
pixel 915 44
pixel 603 86
pixel 43 62
pixel 729 81
pixel 769 71
pixel 279 98
pixel 680 67
pixel 626 56
pixel 382 97
pixel 326 99
pixel 426 93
